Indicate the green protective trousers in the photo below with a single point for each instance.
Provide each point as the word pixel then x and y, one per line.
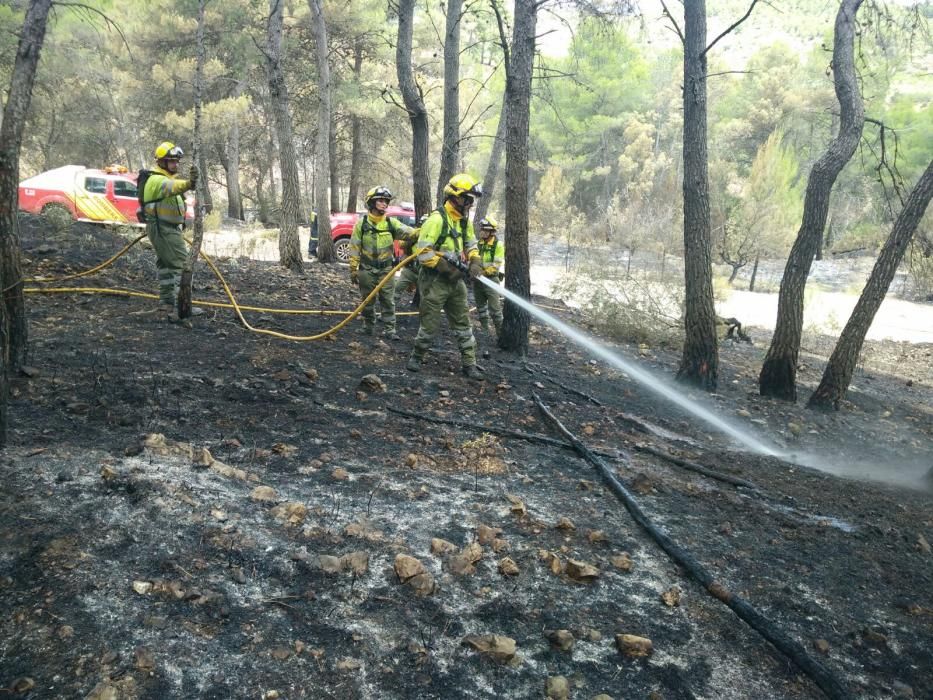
pixel 440 294
pixel 171 253
pixel 488 303
pixel 369 278
pixel 408 279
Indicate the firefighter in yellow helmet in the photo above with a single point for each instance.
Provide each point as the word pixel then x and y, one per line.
pixel 492 255
pixel 372 255
pixel 164 213
pixel 447 249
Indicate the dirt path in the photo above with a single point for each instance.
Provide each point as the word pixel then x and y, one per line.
pixel 133 564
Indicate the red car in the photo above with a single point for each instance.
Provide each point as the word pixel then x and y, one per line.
pixel 106 196
pixel 342 223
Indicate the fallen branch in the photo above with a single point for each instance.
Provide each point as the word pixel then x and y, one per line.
pixel 576 392
pixel 794 651
pixel 494 430
pixel 698 468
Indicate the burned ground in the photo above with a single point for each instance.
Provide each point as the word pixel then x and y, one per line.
pixel 210 513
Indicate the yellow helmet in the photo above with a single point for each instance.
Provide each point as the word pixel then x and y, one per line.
pixel 379 192
pixel 488 224
pixel 463 184
pixel 167 149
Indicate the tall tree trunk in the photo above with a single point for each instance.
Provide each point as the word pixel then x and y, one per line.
pixel 356 134
pixel 841 365
pixel 13 329
pixel 514 335
pixel 492 169
pixel 231 165
pixel 450 148
pixel 699 364
pixel 333 161
pixel 289 247
pixel 187 272
pixel 778 376
pixel 751 284
pixel 325 244
pixel 417 114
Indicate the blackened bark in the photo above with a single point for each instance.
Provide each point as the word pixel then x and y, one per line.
pixel 13 328
pixel 325 245
pixel 417 114
pixel 699 364
pixel 289 247
pixel 514 336
pixel 841 365
pixel 450 148
pixel 332 161
pixel 356 134
pixel 778 376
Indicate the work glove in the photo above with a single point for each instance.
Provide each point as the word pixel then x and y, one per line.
pixel 355 278
pixel 447 271
pixel 193 177
pixel 476 268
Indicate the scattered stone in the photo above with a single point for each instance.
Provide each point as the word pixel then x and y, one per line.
pixel 202 458
pixel 500 545
pixel 496 646
pixel 145 659
pixel 473 551
pixel 561 639
pixel 552 561
pixel 507 567
pixel 462 563
pixel 486 534
pixel 290 513
pixel 263 494
pixel 623 561
pixel 558 688
pixel 340 474
pixel 349 665
pixel 518 506
pixel 594 635
pixel 743 413
pixel 794 429
pixel 357 562
pixel 411 460
pixel 581 571
pixel 875 637
pixel 228 471
pixel 312 374
pixel 281 653
pixel 632 645
pixel 107 473
pixel 922 544
pixel 595 536
pixel 565 524
pixel 102 691
pixel 271 695
pixel 821 645
pixel 23 685
pixel 372 383
pixel 441 547
pixel 412 572
pixel 330 564
pixel 142 587
pixel 671 597
pixel 284 449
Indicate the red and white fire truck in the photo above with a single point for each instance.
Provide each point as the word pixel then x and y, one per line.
pixel 106 195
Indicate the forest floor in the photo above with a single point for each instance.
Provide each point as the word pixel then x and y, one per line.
pixel 206 512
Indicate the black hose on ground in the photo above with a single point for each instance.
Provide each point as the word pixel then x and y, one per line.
pixel 823 678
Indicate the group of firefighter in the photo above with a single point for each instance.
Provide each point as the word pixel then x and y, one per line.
pixel 448 253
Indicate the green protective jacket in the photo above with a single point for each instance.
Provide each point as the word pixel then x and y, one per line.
pixel 371 242
pixel 444 232
pixel 163 193
pixel 492 255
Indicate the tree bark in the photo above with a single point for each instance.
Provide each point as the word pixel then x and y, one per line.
pixel 333 163
pixel 356 134
pixel 751 284
pixel 699 364
pixel 231 165
pixel 841 365
pixel 187 272
pixel 492 169
pixel 13 328
pixel 778 376
pixel 514 335
pixel 417 114
pixel 450 147
pixel 325 244
pixel 289 248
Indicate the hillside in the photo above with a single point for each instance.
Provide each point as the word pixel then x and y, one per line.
pixel 208 513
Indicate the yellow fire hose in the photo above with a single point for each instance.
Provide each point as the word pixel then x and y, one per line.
pixel 349 315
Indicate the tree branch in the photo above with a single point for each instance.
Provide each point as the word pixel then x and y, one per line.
pixel 670 17
pixel 731 27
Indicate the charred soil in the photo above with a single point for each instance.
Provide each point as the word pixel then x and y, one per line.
pixel 205 512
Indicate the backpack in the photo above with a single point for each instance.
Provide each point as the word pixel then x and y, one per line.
pixel 141 180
